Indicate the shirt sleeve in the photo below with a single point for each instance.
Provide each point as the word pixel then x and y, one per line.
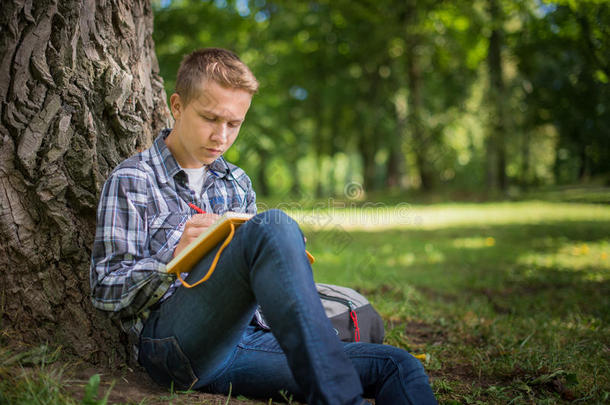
pixel 124 276
pixel 250 199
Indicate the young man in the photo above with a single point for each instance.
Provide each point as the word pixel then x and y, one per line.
pixel 212 337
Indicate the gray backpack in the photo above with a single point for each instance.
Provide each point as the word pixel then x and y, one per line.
pixel 352 315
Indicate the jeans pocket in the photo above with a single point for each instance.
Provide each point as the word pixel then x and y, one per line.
pixel 166 362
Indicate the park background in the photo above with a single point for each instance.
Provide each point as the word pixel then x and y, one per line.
pixel 449 159
pixel 475 97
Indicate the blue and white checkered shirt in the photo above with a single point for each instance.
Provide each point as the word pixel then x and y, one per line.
pixel 140 219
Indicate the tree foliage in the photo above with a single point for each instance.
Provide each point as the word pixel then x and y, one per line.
pixel 410 93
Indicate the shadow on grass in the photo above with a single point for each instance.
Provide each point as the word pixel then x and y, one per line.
pixel 508 311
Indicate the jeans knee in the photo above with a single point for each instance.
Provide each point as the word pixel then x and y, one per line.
pixel 409 365
pixel 400 362
pixel 275 219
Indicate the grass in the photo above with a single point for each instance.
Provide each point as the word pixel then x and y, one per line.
pixel 39 376
pixel 20 385
pixel 510 300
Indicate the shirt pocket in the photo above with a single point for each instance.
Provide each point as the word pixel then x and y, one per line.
pixel 165 230
pixel 237 203
pixel 236 200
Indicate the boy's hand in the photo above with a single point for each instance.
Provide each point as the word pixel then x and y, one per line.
pixel 193 228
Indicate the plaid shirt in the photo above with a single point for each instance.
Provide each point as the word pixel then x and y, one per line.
pixel 140 219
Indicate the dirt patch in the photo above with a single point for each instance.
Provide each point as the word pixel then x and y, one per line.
pixel 463 372
pixel 421 333
pixel 453 368
pixel 436 294
pixel 131 386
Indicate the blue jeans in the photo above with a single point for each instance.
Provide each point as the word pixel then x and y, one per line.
pixel 204 338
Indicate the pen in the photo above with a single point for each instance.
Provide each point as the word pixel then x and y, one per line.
pixel 196 208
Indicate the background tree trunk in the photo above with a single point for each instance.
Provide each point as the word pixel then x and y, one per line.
pixel 395 166
pixel 420 139
pixel 496 144
pixel 79 92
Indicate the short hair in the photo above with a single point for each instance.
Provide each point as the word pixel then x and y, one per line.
pixel 217 64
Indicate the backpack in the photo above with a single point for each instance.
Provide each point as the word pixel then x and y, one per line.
pixel 352 315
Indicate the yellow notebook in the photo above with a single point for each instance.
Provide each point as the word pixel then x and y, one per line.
pixel 220 231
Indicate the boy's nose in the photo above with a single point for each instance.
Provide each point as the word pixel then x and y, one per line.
pixel 220 132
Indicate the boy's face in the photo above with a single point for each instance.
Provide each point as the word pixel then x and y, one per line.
pixel 208 125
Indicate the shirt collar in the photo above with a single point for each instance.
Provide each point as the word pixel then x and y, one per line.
pixel 171 167
pixel 220 167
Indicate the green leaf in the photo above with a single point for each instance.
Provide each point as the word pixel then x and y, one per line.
pixel 91 390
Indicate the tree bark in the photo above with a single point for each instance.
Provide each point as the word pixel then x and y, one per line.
pixel 79 91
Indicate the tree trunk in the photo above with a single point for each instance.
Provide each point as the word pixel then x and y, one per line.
pixel 79 92
pixel 367 150
pixel 583 162
pixel 334 149
pixel 420 140
pixel 394 169
pixel 525 160
pixel 496 151
pixel 396 160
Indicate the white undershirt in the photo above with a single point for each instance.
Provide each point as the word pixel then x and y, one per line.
pixel 196 178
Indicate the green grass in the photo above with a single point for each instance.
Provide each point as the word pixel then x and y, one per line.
pixel 511 300
pixel 28 377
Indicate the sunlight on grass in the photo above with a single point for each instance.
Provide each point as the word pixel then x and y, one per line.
pixel 511 300
pixel 474 243
pixel 380 216
pixel 405 259
pixel 591 259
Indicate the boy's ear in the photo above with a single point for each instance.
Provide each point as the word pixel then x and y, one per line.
pixel 175 103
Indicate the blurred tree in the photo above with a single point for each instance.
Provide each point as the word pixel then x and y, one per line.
pixel 565 57
pixel 496 139
pixel 396 86
pixel 421 138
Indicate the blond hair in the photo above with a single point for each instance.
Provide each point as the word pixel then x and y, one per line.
pixel 217 64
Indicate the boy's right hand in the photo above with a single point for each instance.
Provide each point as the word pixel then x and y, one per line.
pixel 193 228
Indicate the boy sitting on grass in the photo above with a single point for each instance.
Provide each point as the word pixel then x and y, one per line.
pixel 211 337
